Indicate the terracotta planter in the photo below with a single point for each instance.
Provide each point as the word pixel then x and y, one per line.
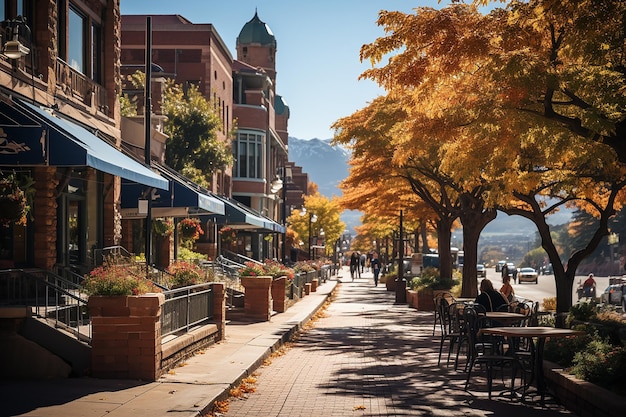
pixel 278 294
pixel 390 283
pixel 411 298
pixel 257 297
pixel 425 299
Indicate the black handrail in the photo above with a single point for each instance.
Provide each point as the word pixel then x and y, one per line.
pixel 48 296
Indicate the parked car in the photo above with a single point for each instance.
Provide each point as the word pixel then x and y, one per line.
pixel 527 275
pixel 615 293
pixel 547 269
pixel 481 271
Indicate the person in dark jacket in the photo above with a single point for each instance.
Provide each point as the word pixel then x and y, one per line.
pixel 354 264
pixel 376 267
pixel 489 298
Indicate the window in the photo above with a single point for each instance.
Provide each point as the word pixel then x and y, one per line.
pixel 249 155
pixel 80 41
pixel 76 40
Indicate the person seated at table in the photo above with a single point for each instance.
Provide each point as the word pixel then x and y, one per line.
pixel 489 298
pixel 507 289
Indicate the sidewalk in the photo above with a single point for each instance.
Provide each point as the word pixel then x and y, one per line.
pixel 366 357
pixel 188 390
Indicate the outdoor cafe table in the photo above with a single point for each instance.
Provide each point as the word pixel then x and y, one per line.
pixel 541 334
pixel 505 317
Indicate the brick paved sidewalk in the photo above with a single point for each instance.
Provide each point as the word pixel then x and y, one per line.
pixel 369 357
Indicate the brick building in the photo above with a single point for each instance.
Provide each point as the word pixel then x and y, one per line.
pixel 60 121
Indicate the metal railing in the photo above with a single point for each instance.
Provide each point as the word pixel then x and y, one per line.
pixel 48 296
pixel 80 86
pixel 186 308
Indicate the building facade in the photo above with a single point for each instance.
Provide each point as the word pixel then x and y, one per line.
pixel 60 139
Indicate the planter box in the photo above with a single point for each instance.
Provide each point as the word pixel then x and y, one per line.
pixel 126 341
pixel 426 297
pixel 581 397
pixel 278 294
pixel 411 298
pixel 257 297
pixel 390 283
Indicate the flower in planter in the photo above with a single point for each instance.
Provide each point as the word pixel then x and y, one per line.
pixel 185 274
pixel 277 270
pixel 190 229
pixel 303 266
pixel 252 269
pixel 115 279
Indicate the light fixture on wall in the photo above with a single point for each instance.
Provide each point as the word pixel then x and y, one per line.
pixel 14 48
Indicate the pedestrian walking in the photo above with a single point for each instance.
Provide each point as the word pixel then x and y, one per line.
pixel 376 266
pixel 363 258
pixel 354 264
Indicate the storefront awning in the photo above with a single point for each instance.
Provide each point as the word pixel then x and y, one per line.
pixel 30 136
pixel 182 198
pixel 240 216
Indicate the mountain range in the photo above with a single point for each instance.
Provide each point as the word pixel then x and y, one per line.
pixel 328 165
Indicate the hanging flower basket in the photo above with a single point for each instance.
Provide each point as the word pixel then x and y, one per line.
pixel 190 229
pixel 162 227
pixel 228 234
pixel 14 205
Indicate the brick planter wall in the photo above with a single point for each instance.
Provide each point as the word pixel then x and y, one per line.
pixel 278 294
pixel 257 297
pixel 126 340
pixel 581 397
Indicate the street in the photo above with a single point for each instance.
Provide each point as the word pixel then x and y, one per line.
pixel 546 286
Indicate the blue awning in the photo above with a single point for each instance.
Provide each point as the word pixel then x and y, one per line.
pixel 30 136
pixel 182 198
pixel 240 216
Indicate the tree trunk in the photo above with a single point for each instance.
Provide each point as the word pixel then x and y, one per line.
pixel 444 231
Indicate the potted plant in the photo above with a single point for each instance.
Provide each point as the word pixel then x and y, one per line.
pixel 184 274
pixel 257 294
pixel 116 280
pixel 427 285
pixel 190 230
pixel 282 279
pixel 162 227
pixel 14 199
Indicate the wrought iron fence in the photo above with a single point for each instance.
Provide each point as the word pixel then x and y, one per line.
pixel 187 307
pixel 47 296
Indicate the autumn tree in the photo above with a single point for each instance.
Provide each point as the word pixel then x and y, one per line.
pixel 327 213
pixel 520 96
pixel 193 148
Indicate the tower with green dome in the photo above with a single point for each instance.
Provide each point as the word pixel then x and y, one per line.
pixel 256 46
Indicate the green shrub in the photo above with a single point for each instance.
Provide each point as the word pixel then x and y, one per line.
pixel 430 279
pixel 600 363
pixel 563 350
pixel 582 311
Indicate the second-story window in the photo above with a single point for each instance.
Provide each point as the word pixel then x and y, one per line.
pixel 249 155
pixel 76 40
pixel 80 40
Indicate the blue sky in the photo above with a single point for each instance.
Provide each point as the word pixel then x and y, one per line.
pixel 318 48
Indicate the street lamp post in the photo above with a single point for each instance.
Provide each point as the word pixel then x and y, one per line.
pixel 400 281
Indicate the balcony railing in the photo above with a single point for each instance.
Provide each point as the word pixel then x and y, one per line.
pixel 77 85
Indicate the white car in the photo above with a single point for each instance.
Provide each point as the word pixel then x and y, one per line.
pixel 527 275
pixel 481 271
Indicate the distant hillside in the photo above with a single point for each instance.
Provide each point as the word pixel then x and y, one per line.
pixel 328 165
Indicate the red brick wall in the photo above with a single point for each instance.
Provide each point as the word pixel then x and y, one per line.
pixel 45 215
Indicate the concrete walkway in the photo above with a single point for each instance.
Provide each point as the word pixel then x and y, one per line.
pixel 367 357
